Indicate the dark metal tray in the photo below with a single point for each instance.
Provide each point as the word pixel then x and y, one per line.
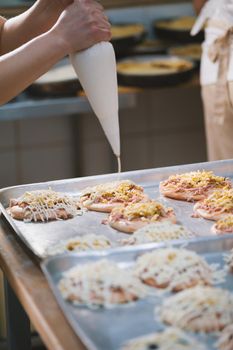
pixel 154 80
pixel 177 35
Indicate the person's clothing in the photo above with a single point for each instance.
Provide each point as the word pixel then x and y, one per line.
pixel 218 134
pixel 217 79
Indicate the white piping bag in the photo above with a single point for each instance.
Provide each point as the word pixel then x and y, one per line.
pixel 96 71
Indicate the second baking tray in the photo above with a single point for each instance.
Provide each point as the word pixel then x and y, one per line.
pixel 108 329
pixel 39 237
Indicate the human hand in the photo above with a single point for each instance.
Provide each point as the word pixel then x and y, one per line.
pixel 81 25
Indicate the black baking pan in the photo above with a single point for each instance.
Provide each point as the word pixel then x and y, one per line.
pixel 154 80
pixel 180 33
pixel 125 36
pixel 149 47
pixel 59 81
pixel 191 51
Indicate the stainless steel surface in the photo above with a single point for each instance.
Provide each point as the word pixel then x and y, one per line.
pixel 40 236
pixel 41 108
pixel 102 329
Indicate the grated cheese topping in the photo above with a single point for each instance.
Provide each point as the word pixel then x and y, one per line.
pixel 158 232
pixel 176 269
pixel 118 190
pixel 169 339
pixel 225 341
pixel 206 307
pixel 149 210
pixel 225 224
pixel 222 200
pixel 196 179
pixel 100 283
pixel 81 243
pixel 45 204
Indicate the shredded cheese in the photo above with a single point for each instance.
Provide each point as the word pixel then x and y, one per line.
pixel 225 341
pixel 42 205
pixel 176 269
pixel 100 283
pixel 198 178
pixel 119 190
pixel 225 224
pixel 145 210
pixel 220 199
pixel 158 232
pixel 169 339
pixel 205 309
pixel 81 243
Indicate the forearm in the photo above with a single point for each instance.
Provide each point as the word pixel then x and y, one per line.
pixel 198 4
pixel 30 24
pixel 19 68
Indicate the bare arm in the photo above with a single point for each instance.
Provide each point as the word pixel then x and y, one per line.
pixel 198 4
pixel 81 25
pixel 33 22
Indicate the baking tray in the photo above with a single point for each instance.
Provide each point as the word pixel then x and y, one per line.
pixel 101 328
pixel 60 80
pixel 122 44
pixel 174 50
pixel 177 35
pixel 39 237
pixel 149 47
pixel 155 80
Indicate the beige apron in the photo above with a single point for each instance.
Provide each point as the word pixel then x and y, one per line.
pixel 217 99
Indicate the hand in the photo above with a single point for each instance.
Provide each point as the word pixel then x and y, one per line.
pixel 81 25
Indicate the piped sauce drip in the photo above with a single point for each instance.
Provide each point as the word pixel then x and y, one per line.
pixel 119 164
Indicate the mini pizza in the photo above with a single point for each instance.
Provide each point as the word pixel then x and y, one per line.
pixel 217 206
pixel 223 226
pixel 169 339
pixel 44 205
pixel 105 197
pixel 225 341
pixel 81 243
pixel 193 186
pixel 199 309
pixel 134 216
pixel 158 232
pixel 229 260
pixel 101 283
pixel 175 269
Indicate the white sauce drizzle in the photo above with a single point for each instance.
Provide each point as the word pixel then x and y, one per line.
pixel 205 307
pixel 92 284
pixel 177 267
pixel 119 164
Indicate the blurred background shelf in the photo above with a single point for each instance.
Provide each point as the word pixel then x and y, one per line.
pixel 14 7
pixel 25 107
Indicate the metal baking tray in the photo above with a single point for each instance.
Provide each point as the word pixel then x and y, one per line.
pixel 101 329
pixel 39 237
pixel 155 80
pixel 178 35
